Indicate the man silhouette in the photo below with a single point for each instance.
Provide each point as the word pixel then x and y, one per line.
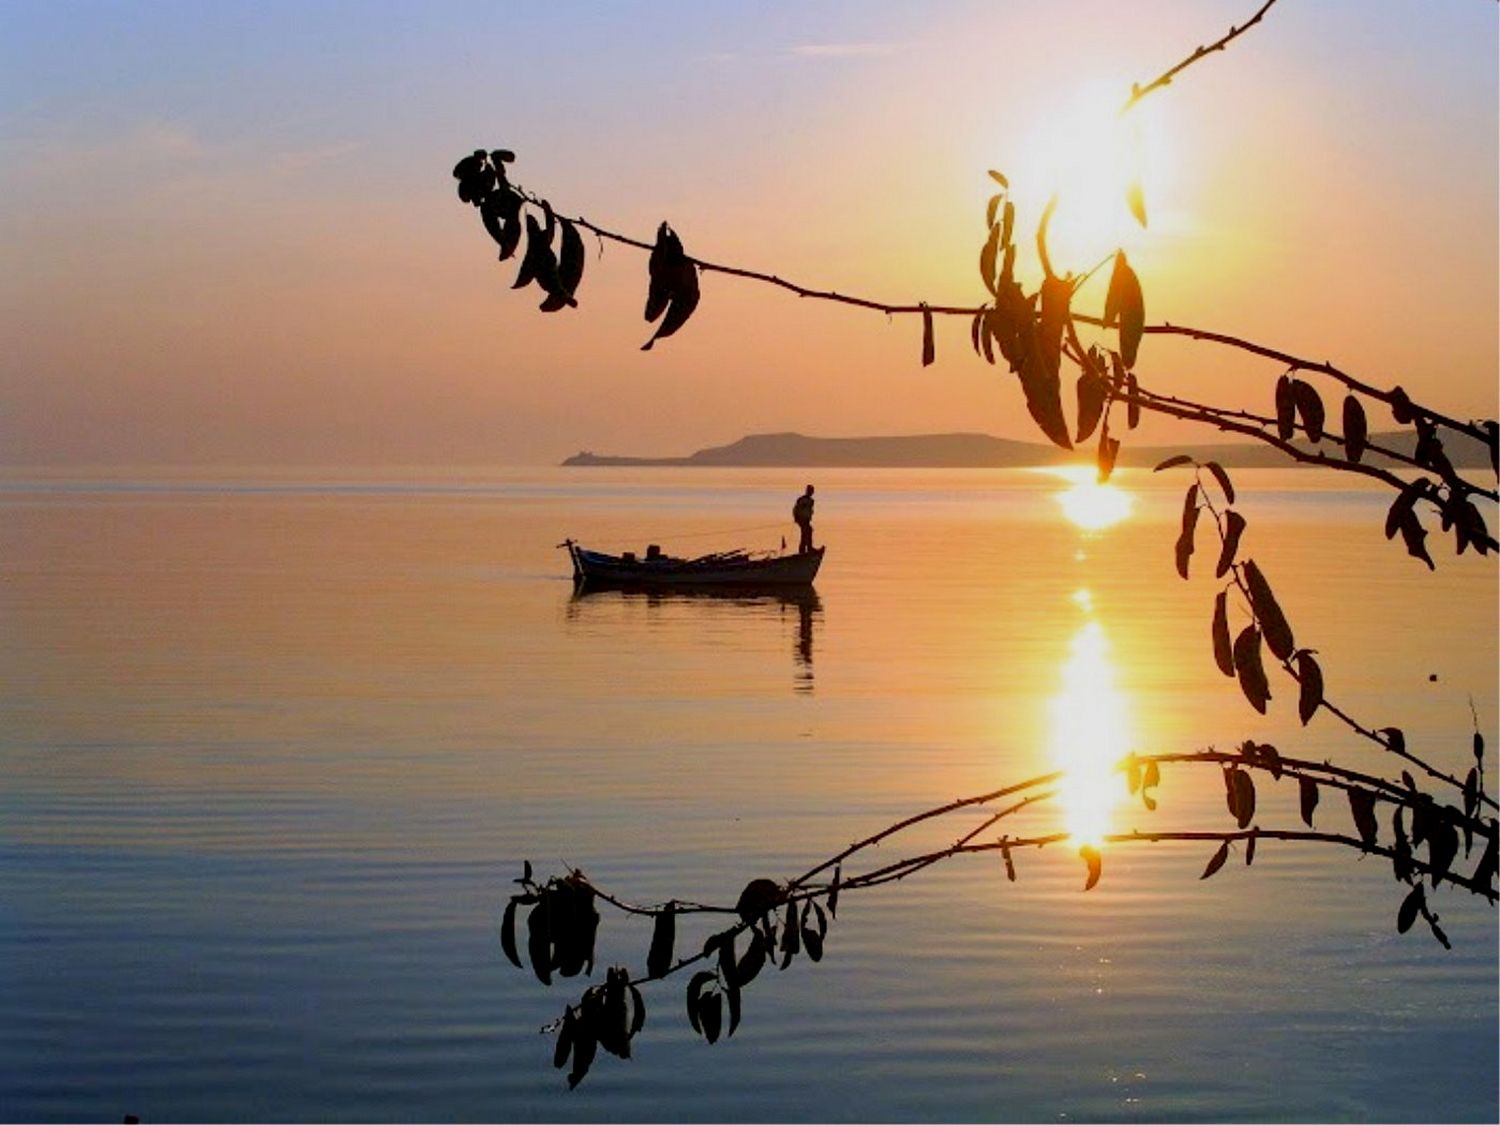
pixel 802 512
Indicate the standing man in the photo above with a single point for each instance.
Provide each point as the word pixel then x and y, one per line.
pixel 802 512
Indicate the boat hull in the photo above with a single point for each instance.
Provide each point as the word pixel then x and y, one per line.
pixel 598 569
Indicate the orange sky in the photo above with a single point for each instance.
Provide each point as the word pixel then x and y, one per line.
pixel 230 236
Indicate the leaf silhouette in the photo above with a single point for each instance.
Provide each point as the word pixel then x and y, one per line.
pixel 1356 429
pixel 1309 407
pixel 1095 863
pixel 1248 668
pixel 1415 539
pixel 637 1011
pixel 833 892
pixel 759 897
pixel 1216 861
pixel 1149 781
pixel 1136 198
pixel 1222 477
pixel 1401 406
pixel 1109 451
pixel 564 1046
pixel 585 1044
pixel 1172 462
pixel 1307 794
pixel 1442 849
pixel 1286 409
pixel 1272 621
pixel 929 350
pixel 1250 850
pixel 1234 527
pixel 1184 548
pixel 539 939
pixel 1244 797
pixel 1133 405
pixel 571 258
pixel 988 256
pixel 508 933
pixel 711 1015
pixel 1223 650
pixel 663 938
pixel 1125 304
pixel 1091 393
pixel 1362 805
pixel 1411 906
pixel 1310 678
pixel 695 996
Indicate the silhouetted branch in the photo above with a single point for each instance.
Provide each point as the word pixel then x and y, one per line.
pixel 1137 92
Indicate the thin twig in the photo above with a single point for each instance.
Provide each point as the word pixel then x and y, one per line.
pixel 1137 92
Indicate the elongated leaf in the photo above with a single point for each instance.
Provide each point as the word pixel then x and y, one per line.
pixel 999 179
pixel 1109 452
pixel 988 255
pixel 711 1015
pixel 1286 409
pixel 1442 849
pixel 1216 861
pixel 1484 873
pixel 1223 650
pixel 564 1046
pixel 1273 622
pixel 1411 907
pixel 1172 462
pixel 1307 795
pixel 992 209
pixel 759 898
pixel 695 996
pixel 833 892
pixel 1356 429
pixel 508 933
pixel 539 939
pixel 1184 548
pixel 1362 805
pixel 585 1046
pixel 1136 198
pixel 1244 787
pixel 1222 477
pixel 1309 407
pixel 1248 668
pixel 1150 779
pixel 1010 864
pixel 1250 850
pixel 663 939
pixel 1401 406
pixel 1095 863
pixel 752 962
pixel 1124 304
pixel 637 1011
pixel 1415 539
pixel 570 258
pixel 1234 527
pixel 812 941
pixel 733 997
pixel 1133 404
pixel 1310 678
pixel 1091 392
pixel 929 348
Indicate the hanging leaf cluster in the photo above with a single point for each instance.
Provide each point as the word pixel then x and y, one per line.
pixel 553 258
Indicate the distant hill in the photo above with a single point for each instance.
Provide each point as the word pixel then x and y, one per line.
pixel 981 451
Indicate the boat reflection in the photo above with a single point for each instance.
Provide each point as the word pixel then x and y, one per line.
pixel 783 600
pixel 1090 731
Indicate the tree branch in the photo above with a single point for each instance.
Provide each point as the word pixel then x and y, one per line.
pixel 1137 92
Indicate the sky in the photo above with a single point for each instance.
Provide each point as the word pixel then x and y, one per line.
pixel 228 231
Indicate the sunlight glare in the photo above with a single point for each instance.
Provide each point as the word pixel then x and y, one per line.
pixel 1089 735
pixel 1093 506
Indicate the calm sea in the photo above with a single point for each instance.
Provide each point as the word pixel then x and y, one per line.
pixel 272 747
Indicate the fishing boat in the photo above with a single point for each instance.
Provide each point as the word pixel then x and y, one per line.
pixel 722 568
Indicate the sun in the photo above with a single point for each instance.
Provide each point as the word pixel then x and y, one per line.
pixel 1088 155
pixel 1090 505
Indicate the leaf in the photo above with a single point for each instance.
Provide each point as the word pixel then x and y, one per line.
pixel 585 1045
pixel 1244 786
pixel 999 179
pixel 660 268
pixel 1095 863
pixel 1234 527
pixel 1010 864
pixel 813 942
pixel 988 255
pixel 1250 850
pixel 1362 805
pixel 1286 409
pixel 929 350
pixel 1310 407
pixel 1471 792
pixel 564 1045
pixel 1125 304
pixel 1395 739
pixel 1223 651
pixel 684 301
pixel 833 892
pixel 752 962
pixel 637 1011
pixel 1401 406
pixel 1356 429
pixel 539 939
pixel 975 327
pixel 1415 538
pixel 1173 461
pixel 1310 680
pixel 1184 548
pixel 759 898
pixel 1442 849
pixel 570 259
pixel 992 209
pixel 1273 622
pixel 1411 906
pixel 1091 393
pixel 733 996
pixel 1109 451
pixel 1484 873
pixel 1216 861
pixel 1133 402
pixel 791 936
pixel 711 1015
pixel 1222 477
pixel 695 996
pixel 1136 198
pixel 1307 794
pixel 663 938
pixel 1248 668
pixel 508 933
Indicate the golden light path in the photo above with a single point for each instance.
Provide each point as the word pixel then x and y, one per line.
pixel 1090 733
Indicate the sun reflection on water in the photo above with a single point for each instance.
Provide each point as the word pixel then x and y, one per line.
pixel 1090 732
pixel 1090 505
